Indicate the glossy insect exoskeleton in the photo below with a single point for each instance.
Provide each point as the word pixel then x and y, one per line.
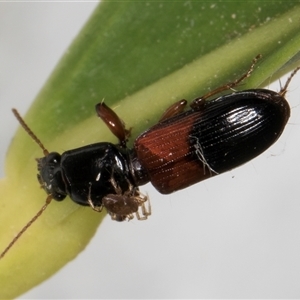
pixel 182 149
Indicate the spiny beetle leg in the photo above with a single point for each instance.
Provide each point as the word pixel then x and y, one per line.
pixel 113 122
pixel 198 102
pixel 283 90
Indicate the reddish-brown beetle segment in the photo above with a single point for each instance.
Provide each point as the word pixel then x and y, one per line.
pixel 166 153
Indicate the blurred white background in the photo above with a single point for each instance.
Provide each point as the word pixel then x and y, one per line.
pixel 236 235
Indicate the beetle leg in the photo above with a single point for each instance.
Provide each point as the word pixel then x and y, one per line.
pixel 116 187
pixel 283 89
pixel 173 110
pixel 95 208
pixel 90 202
pixel 146 211
pixel 114 123
pixel 141 199
pixel 198 102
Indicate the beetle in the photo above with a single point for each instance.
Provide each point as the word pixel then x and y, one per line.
pixel 183 148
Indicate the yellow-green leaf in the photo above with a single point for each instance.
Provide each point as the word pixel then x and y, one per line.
pixel 140 57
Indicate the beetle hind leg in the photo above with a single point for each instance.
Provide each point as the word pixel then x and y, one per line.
pixel 173 110
pixel 198 102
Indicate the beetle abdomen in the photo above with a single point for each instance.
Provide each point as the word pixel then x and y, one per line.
pixel 198 144
pixel 233 134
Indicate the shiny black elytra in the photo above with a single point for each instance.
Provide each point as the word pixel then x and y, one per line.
pixel 183 148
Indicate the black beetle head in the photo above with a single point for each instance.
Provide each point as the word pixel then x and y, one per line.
pixel 50 176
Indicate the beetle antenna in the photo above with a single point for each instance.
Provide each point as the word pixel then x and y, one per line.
pixel 29 131
pixel 48 200
pixel 283 90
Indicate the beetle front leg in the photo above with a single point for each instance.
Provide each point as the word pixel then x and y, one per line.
pixel 113 122
pixel 90 202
